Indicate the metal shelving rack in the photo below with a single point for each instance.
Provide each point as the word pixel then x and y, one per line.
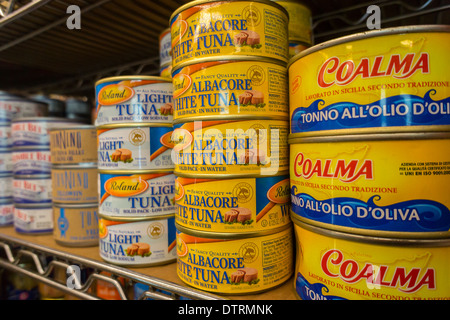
pixel 38 54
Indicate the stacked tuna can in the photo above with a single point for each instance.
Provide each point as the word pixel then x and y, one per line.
pixel 370 165
pixel 231 123
pixel 165 54
pixel 74 185
pixel 135 170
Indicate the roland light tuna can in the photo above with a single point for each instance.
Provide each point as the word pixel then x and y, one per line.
pixel 226 28
pixel 34 132
pixel 300 21
pixel 74 183
pixel 386 185
pixel 76 225
pixel 34 161
pixel 6 213
pixel 6 187
pixel 237 87
pixel 5 136
pixel 391 80
pixel 227 148
pixel 135 147
pixel 29 190
pixel 231 206
pixel 332 265
pixel 33 220
pixel 73 145
pixel 137 194
pixel 131 99
pixel 235 266
pixel 138 242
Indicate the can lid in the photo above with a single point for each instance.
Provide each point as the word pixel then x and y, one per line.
pixel 120 172
pixel 133 77
pixel 80 166
pixel 230 118
pixel 43 119
pixel 223 176
pixel 33 206
pixel 76 205
pixel 134 125
pixel 369 34
pixel 135 218
pixel 80 127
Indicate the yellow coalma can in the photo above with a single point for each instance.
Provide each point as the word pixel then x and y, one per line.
pixel 237 266
pixel 226 28
pixel 230 88
pixel 227 149
pixel 229 206
pixel 387 80
pixel 333 265
pixel 386 185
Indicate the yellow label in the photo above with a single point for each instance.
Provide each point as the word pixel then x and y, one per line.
pixel 233 205
pixel 389 81
pixel 331 268
pixel 114 94
pixel 235 266
pixel 390 187
pixel 223 28
pixel 254 147
pixel 230 88
pixel 300 21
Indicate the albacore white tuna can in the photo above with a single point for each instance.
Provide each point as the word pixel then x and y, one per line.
pixel 5 135
pixel 35 132
pixel 135 147
pixel 6 162
pixel 15 106
pixel 6 190
pixel 31 161
pixel 6 213
pixel 138 242
pixel 131 99
pixel 32 190
pixel 33 220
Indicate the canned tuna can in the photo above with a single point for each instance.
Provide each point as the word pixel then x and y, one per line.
pixel 238 87
pixel 74 183
pixel 138 242
pixel 226 28
pixel 135 147
pixel 332 265
pixel 392 80
pixel 386 185
pixel 6 187
pixel 131 99
pixel 73 145
pixel 236 266
pixel 138 194
pixel 6 162
pixel 31 161
pixel 33 220
pixel 166 71
pixel 5 136
pixel 32 190
pixel 34 132
pixel 14 106
pixel 6 213
pixel 165 48
pixel 75 225
pixel 226 149
pixel 295 47
pixel 300 20
pixel 230 206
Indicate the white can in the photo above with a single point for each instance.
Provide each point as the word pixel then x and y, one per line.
pixel 31 162
pixel 6 163
pixel 5 135
pixel 32 190
pixel 6 214
pixel 33 220
pixel 165 48
pixel 6 190
pixel 138 147
pixel 35 132
pixel 138 242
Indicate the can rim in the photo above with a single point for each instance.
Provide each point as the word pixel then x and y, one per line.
pixel 81 166
pixel 439 242
pixel 231 118
pixel 75 205
pixel 33 206
pixel 231 236
pixel 134 125
pixel 42 119
pixel 142 171
pixel 83 126
pixel 234 58
pixel 30 149
pixel 31 177
pixel 135 218
pixel 201 2
pixel 132 77
pixel 367 35
pixel 371 137
pixel 228 176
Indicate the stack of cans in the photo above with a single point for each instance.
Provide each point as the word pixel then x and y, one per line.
pixel 135 170
pixel 370 166
pixel 32 189
pixel 74 185
pixel 230 135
